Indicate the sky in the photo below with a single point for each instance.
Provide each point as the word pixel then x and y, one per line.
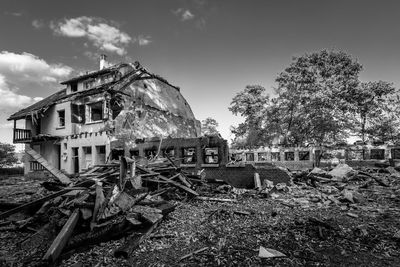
pixel 210 49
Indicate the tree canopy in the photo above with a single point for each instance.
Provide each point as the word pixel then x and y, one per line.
pixel 7 155
pixel 209 126
pixel 318 99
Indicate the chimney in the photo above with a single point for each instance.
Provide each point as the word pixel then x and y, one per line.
pixel 103 61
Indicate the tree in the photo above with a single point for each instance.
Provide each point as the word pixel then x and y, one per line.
pixel 209 126
pixel 250 104
pixel 375 109
pixel 311 97
pixel 7 155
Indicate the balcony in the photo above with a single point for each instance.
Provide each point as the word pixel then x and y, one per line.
pixel 22 135
pixel 35 166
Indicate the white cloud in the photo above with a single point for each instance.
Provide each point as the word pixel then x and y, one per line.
pixel 7 125
pixel 184 14
pixel 11 100
pixel 38 24
pixel 26 72
pixel 144 40
pixel 102 35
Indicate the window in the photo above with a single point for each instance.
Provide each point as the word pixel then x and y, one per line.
pixel 289 156
pixel 304 155
pixel 170 152
pixel 377 154
pixel 74 87
pixel 262 156
pixel 189 155
pixel 61 118
pixel 211 155
pixel 396 153
pixel 249 156
pixel 89 84
pixel 275 156
pixel 100 157
pixel 87 149
pixel 134 153
pixel 150 153
pixel 87 156
pixel 96 111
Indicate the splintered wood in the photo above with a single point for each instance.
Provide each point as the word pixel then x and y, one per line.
pixel 107 202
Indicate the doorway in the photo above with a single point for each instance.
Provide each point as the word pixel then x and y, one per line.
pixel 75 159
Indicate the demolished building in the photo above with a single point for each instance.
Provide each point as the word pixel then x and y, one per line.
pixel 73 129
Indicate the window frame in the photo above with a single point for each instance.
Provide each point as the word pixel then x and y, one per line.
pixel 90 113
pixel 60 126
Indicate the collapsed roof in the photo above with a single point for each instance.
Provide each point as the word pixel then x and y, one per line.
pixel 159 99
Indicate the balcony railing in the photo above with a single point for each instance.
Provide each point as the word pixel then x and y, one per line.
pixel 22 135
pixel 35 166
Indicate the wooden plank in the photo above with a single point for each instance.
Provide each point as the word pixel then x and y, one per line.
pixel 38 202
pixel 99 202
pixel 62 238
pixel 176 184
pixel 216 199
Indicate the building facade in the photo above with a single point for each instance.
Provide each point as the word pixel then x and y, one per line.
pixel 74 128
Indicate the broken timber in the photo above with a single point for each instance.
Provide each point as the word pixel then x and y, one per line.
pixel 62 238
pixel 165 179
pixel 38 202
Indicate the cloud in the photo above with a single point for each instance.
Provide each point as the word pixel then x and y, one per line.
pixel 15 14
pixel 7 125
pixel 144 40
pixel 183 14
pixel 38 24
pixel 26 72
pixel 98 31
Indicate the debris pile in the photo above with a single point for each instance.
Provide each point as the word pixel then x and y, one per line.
pixel 109 201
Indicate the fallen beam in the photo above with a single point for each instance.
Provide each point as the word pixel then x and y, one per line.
pixel 176 184
pixel 217 199
pixel 193 253
pixel 62 238
pixel 38 202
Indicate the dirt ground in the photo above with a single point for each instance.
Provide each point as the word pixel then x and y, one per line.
pixel 310 227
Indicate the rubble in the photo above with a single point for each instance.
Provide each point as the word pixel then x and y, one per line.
pixel 107 202
pixel 172 218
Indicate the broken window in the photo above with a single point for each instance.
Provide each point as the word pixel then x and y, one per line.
pixel 249 156
pixel 96 111
pixel 236 157
pixel 189 155
pixel 377 154
pixel 262 156
pixel 116 153
pixel 61 118
pixel 150 153
pixel 77 113
pixel 134 153
pixel 395 153
pixel 304 155
pixel 211 155
pixel 289 156
pixel 89 84
pixel 275 156
pixel 170 152
pixel 74 87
